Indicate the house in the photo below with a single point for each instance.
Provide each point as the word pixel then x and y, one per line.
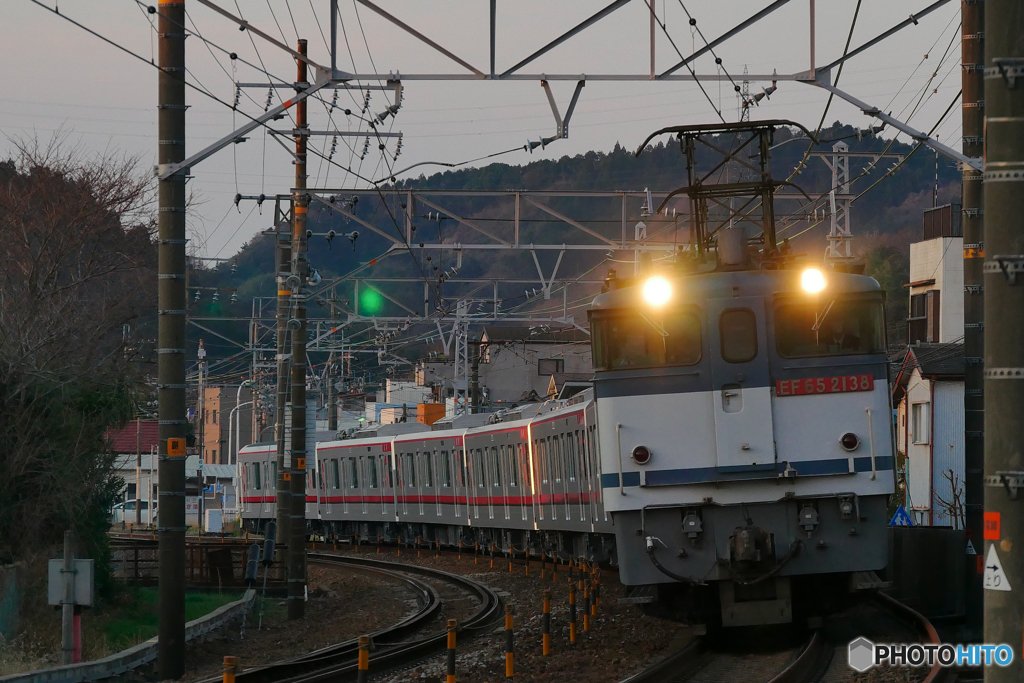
pixel 937 279
pixel 929 397
pixel 136 450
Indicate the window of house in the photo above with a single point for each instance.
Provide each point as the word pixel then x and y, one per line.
pixel 214 417
pixel 549 366
pixel 213 457
pixel 737 333
pixel 920 430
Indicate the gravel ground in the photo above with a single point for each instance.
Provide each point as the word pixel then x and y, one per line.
pixel 621 640
pixel 342 605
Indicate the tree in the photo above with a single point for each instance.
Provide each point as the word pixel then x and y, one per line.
pixel 77 268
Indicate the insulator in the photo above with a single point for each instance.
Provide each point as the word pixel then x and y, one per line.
pixel 366 101
pixel 216 296
pixel 252 564
pixel 238 96
pixel 269 543
pixel 270 98
pixel 234 297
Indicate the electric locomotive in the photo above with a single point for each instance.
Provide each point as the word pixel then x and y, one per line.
pixel 744 417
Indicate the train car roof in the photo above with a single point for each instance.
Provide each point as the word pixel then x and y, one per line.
pixel 258 447
pixel 694 288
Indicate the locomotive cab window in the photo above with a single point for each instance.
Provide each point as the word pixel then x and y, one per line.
pixel 623 340
pixel 737 334
pixel 833 328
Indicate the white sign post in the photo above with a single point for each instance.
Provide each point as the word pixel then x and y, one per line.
pixel 70 584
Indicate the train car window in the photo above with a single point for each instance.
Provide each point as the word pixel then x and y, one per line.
pixel 256 483
pixel 460 467
pixel 538 446
pixel 737 334
pixel 479 462
pixel 446 470
pixel 372 464
pixel 496 466
pixel 559 453
pixel 272 479
pixel 570 447
pixel 623 340
pixel 410 466
pixel 808 329
pixel 428 473
pixel 581 443
pixel 514 463
pixel 335 474
pixel 353 473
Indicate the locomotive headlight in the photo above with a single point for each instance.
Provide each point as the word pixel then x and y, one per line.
pixel 657 291
pixel 812 280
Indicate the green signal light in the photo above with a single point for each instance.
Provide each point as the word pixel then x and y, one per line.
pixel 370 302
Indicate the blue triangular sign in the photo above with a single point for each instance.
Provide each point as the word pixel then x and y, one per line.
pixel 901 518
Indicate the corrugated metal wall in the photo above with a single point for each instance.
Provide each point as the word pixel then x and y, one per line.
pixel 948 453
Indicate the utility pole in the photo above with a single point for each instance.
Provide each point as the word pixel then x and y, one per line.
pixel 284 294
pixel 138 471
pixel 1004 331
pixel 67 608
pixel 972 40
pixel 332 397
pixel 171 340
pixel 297 537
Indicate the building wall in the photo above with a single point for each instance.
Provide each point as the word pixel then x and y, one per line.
pixel 941 259
pixel 512 370
pixel 218 448
pixel 919 466
pixel 947 452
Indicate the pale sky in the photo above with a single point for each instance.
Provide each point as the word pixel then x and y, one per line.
pixel 58 77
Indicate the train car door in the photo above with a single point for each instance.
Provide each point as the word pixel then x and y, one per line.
pixel 740 384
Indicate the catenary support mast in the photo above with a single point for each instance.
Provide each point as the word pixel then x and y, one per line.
pixel 171 340
pixel 1004 331
pixel 972 41
pixel 297 536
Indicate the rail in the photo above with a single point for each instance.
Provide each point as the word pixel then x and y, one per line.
pixel 134 657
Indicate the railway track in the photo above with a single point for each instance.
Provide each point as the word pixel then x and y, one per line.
pixel 400 645
pixel 820 658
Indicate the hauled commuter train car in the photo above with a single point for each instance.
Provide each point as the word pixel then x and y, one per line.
pixel 513 480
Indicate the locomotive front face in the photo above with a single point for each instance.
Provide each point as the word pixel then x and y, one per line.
pixel 745 425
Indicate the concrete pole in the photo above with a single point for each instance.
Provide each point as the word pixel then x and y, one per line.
pixel 1004 332
pixel 332 400
pixel 284 293
pixel 972 112
pixel 297 537
pixel 171 339
pixel 138 471
pixel 67 610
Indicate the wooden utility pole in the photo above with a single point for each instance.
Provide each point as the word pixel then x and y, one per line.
pixel 973 117
pixel 297 535
pixel 1004 332
pixel 171 339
